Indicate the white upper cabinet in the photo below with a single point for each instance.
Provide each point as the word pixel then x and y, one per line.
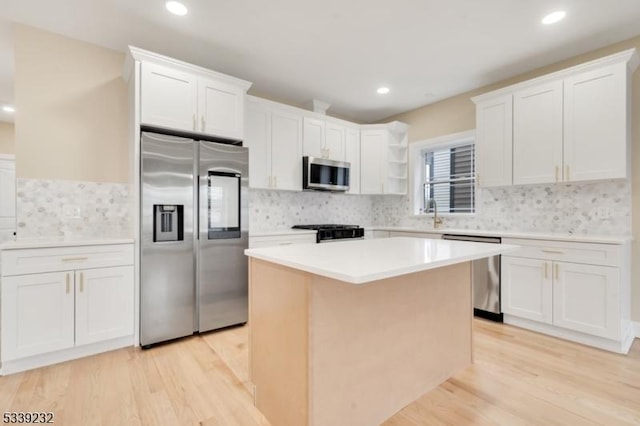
pixel 169 97
pixel 334 141
pixel 221 108
pixel 313 137
pixel 324 139
pixel 352 156
pixel 373 161
pixel 274 138
pixel 537 134
pixel 596 124
pixel 179 96
pixel 494 141
pixel 383 158
pixel 572 125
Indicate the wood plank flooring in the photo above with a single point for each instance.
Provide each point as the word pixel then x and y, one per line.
pixel 518 378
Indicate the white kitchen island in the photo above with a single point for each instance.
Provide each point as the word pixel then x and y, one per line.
pixel 349 333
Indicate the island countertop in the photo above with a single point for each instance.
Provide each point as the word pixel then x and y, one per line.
pixel 363 261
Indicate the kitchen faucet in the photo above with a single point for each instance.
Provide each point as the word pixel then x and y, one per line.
pixel 436 220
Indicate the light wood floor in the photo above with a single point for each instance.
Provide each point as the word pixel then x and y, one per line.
pixel 519 378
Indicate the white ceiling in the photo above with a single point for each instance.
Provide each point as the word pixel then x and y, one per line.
pixel 340 51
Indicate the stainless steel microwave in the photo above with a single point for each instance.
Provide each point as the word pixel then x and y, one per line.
pixel 321 174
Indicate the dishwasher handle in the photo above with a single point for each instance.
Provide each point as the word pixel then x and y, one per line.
pixel 473 238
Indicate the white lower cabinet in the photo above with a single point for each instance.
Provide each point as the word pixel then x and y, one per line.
pixel 577 291
pixel 37 314
pixel 70 302
pixel 104 304
pixel 586 298
pixel 527 288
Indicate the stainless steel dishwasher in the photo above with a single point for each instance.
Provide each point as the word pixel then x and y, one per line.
pixel 485 278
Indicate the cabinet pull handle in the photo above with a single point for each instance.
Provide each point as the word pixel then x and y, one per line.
pixel 195 123
pixel 567 178
pixel 81 282
pixel 557 173
pixel 68 283
pixel 546 270
pixel 202 124
pixel 275 181
pixel 557 272
pixel 552 251
pixel 73 259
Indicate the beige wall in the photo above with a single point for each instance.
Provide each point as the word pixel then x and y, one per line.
pixel 7 138
pixel 72 105
pixel 457 114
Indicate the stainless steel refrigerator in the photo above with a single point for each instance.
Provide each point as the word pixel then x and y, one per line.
pixel 194 230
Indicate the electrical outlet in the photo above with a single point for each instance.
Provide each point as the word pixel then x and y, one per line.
pixel 603 212
pixel 72 211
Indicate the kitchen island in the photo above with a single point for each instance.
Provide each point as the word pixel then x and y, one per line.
pixel 349 333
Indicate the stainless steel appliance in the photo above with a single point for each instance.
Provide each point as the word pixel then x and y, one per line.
pixel 485 278
pixel 194 231
pixel 332 232
pixel 321 174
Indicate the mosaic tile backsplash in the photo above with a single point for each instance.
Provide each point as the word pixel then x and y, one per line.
pixel 274 210
pixel 72 209
pixel 598 208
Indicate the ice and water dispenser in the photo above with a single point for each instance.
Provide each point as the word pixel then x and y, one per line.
pixel 168 222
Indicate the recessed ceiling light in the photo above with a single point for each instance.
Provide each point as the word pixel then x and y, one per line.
pixel 176 8
pixel 9 109
pixel 554 17
pixel 383 90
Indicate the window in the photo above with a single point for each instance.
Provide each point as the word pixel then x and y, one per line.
pixel 444 170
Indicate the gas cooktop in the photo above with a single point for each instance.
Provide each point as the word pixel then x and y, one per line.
pixel 334 232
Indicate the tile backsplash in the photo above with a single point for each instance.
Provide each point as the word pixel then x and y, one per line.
pixel 595 208
pixel 272 210
pixel 72 209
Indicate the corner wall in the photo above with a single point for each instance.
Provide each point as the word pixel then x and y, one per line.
pixel 71 141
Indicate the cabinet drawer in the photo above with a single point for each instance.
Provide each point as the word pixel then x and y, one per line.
pixel 281 240
pixel 51 259
pixel 565 251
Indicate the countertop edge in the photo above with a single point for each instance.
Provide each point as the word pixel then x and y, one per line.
pixel 29 244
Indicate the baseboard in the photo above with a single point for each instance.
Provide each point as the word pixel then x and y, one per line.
pixel 621 346
pixel 36 361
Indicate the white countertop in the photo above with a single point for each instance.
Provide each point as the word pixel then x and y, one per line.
pixel 35 243
pixel 604 239
pixel 362 261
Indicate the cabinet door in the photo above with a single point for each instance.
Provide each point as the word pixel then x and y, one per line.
pixel 373 161
pixel 527 288
pixel 168 97
pixel 221 109
pixel 537 134
pixel 595 124
pixel 494 141
pixel 352 156
pixel 313 138
pixel 586 298
pixel 37 314
pixel 257 140
pixel 104 304
pixel 286 148
pixel 334 142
